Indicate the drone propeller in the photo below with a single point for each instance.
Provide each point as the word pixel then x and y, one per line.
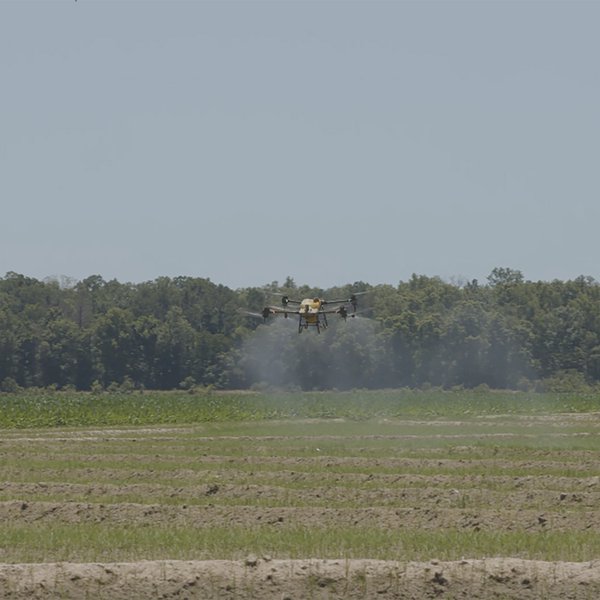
pixel 285 299
pixel 266 312
pixel 353 300
pixel 355 294
pixel 345 314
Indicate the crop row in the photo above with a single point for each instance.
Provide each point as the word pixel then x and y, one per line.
pixel 79 409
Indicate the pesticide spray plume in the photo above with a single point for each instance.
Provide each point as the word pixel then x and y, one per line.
pixel 462 345
pixel 341 357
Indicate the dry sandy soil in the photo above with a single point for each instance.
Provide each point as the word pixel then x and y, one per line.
pixel 300 579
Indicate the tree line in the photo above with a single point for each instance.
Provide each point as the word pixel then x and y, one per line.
pixel 507 333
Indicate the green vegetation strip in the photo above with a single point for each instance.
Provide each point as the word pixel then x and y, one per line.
pixel 311 467
pixel 95 543
pixel 76 409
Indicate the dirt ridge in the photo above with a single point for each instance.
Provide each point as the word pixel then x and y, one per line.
pixel 267 579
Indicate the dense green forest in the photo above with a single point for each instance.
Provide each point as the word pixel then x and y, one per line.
pixel 508 333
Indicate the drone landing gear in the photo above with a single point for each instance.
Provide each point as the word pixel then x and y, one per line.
pixel 318 324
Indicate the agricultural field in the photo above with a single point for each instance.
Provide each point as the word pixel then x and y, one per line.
pixel 395 494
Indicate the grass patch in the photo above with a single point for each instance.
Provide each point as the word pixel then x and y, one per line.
pixel 32 408
pixel 97 543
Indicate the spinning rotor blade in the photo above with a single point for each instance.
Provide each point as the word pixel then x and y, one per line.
pixel 267 311
pixel 353 300
pixel 285 299
pixel 345 313
pixel 249 313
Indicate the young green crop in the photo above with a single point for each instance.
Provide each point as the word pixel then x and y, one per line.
pixel 33 408
pixel 93 542
pixel 414 487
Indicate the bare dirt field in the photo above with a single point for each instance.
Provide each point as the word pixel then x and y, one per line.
pixel 300 579
pixel 485 508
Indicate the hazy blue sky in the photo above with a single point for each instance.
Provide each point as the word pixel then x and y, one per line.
pixel 329 141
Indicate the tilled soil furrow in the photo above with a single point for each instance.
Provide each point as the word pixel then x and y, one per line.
pixel 262 462
pixel 331 495
pixel 417 517
pixel 299 478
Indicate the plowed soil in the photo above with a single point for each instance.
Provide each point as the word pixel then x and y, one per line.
pixel 301 579
pixel 528 478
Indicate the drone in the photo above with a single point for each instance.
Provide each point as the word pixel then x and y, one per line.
pixel 312 312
